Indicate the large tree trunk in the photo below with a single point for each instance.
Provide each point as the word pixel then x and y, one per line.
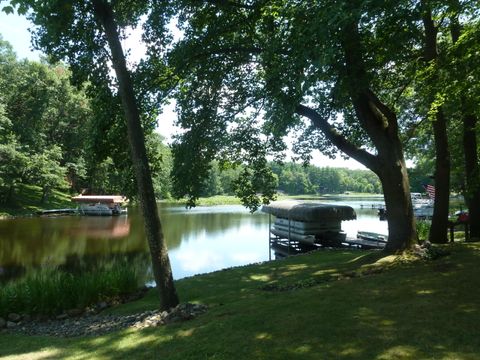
pixel 439 227
pixel 153 227
pixel 472 168
pixel 380 124
pixel 396 190
pixel 389 165
pixel 472 174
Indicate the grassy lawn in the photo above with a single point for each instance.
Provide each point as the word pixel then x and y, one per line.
pixel 327 305
pixel 26 201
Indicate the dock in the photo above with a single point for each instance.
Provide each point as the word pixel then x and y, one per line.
pixel 372 206
pixel 301 227
pixel 365 244
pixel 57 212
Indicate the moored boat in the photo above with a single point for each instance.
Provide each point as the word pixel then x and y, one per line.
pixel 101 205
pixel 372 236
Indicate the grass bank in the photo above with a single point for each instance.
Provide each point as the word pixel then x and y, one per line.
pixel 27 200
pixel 326 305
pixel 232 200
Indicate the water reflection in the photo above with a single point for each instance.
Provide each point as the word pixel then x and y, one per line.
pixel 199 240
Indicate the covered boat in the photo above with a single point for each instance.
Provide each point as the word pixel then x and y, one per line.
pixel 309 222
pixel 105 205
pixel 306 211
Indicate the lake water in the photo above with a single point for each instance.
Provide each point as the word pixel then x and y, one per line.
pixel 199 240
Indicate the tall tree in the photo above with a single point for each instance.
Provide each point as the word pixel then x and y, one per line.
pixel 465 35
pixel 86 34
pixel 439 228
pixel 291 61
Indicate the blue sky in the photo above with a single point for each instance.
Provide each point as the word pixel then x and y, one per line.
pixel 14 29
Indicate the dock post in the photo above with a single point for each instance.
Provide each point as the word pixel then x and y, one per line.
pixel 269 237
pixel 289 235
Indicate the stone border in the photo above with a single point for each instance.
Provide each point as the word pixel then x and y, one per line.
pixel 98 324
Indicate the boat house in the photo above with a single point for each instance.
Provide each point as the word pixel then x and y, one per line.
pixel 106 205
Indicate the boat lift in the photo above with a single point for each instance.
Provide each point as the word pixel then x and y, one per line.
pixel 305 226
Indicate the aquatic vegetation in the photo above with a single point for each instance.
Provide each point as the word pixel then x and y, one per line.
pixel 51 290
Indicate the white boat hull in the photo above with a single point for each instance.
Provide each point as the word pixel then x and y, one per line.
pixel 101 210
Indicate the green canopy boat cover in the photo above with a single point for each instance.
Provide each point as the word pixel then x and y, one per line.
pixel 309 211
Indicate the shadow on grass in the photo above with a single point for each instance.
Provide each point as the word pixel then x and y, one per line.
pixel 420 310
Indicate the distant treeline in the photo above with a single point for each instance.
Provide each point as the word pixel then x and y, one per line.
pixel 297 179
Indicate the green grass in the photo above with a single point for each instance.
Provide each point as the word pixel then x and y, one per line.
pixel 27 200
pixel 52 291
pixel 232 200
pixel 327 305
pixel 210 201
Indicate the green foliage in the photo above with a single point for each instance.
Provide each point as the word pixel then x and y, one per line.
pixel 45 171
pixel 161 162
pixel 51 131
pixel 52 290
pixel 423 228
pixel 13 164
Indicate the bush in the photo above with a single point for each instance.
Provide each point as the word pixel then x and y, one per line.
pixel 423 229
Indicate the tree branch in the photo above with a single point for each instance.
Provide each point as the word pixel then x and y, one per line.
pixel 228 3
pixel 337 139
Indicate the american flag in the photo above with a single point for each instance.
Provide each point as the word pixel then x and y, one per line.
pixel 430 189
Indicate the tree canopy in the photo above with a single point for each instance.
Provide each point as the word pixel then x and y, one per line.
pixel 252 72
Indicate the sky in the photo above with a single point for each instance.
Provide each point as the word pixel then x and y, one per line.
pixel 14 29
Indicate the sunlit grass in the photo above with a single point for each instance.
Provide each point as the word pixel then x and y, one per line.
pixel 27 200
pixel 412 309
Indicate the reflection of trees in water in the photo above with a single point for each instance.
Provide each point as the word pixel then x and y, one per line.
pixel 138 261
pixel 75 242
pixel 11 272
pixel 38 241
pixel 76 264
pixel 179 226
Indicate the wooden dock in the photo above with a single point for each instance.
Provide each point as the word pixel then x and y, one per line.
pixel 284 248
pixel 57 212
pixel 365 244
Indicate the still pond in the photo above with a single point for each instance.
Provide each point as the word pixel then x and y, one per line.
pixel 199 240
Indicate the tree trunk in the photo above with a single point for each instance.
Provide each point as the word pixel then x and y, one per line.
pixel 472 174
pixel 11 190
pixel 396 190
pixel 153 227
pixel 389 165
pixel 472 168
pixel 380 123
pixel 45 193
pixel 439 228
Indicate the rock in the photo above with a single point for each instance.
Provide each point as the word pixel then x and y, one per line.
pixel 97 324
pixel 3 323
pixel 14 317
pixel 74 312
pixel 102 305
pixel 62 316
pixel 11 324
